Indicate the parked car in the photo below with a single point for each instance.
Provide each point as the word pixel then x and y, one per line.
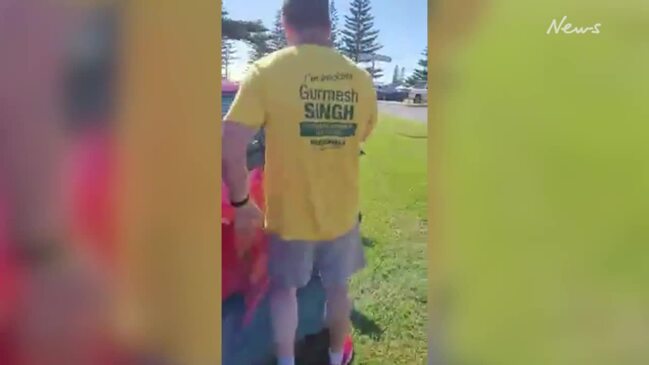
pixel 391 93
pixel 419 93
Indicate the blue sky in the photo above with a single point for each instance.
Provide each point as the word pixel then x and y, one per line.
pixel 402 29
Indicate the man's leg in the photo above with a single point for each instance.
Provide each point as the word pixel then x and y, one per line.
pixel 284 318
pixel 339 309
pixel 337 261
pixel 290 267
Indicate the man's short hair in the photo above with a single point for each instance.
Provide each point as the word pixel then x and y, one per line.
pixel 306 14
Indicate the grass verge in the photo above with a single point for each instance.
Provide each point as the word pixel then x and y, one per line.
pixel 390 294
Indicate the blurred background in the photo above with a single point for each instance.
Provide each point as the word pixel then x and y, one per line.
pixel 108 176
pixel 541 182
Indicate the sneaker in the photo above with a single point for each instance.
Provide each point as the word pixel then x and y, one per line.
pixel 315 350
pixel 348 351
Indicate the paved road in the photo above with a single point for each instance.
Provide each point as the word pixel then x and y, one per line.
pixel 419 114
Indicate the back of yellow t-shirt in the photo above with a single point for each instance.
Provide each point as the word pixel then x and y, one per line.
pixel 317 107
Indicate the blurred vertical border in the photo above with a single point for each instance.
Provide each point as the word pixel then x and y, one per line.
pixel 539 183
pixel 100 97
pixel 169 127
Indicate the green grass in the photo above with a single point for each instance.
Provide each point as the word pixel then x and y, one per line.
pixel 391 293
pixel 547 182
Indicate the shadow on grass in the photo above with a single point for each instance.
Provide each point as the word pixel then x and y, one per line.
pixel 366 326
pixel 412 136
pixel 368 242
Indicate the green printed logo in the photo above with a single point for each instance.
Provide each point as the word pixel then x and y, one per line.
pixel 327 129
pixel 328 143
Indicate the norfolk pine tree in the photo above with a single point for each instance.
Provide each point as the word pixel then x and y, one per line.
pixel 358 35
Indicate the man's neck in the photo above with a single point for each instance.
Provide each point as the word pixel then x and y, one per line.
pixel 315 38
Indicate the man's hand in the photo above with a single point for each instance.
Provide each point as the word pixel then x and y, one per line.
pixel 248 220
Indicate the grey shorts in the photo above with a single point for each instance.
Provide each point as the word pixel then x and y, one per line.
pixel 292 263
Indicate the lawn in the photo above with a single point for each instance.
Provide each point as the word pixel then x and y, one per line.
pixel 391 293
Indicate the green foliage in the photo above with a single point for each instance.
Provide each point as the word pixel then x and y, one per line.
pixel 240 30
pixel 359 35
pixel 420 75
pixel 259 46
pixel 395 75
pixel 228 54
pixel 336 39
pixel 252 32
pixel 277 37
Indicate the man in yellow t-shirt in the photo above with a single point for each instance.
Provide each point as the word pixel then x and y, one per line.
pixel 316 108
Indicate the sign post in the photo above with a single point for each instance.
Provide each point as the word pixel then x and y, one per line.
pixel 373 58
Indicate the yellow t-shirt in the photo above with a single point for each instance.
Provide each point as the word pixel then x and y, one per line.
pixel 316 107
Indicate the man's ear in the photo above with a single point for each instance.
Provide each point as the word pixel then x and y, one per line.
pixel 288 31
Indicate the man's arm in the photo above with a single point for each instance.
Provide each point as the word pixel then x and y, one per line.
pixel 236 137
pixel 374 110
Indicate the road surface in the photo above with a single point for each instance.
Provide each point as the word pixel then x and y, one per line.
pixel 418 113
